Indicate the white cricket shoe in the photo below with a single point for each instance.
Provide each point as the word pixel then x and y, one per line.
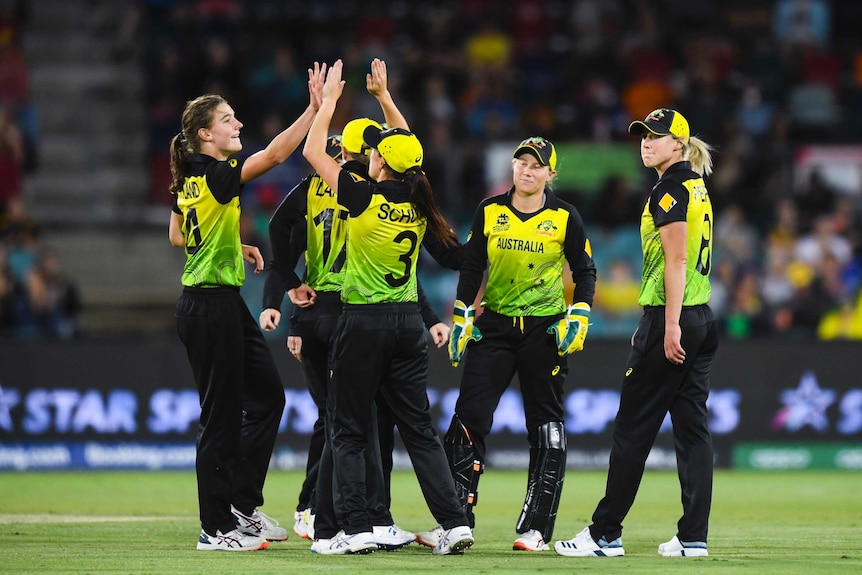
pixel 234 540
pixel 582 545
pixel 392 537
pixel 300 525
pixel 532 540
pixel 430 538
pixel 259 524
pixel 308 516
pixel 677 548
pixel 343 544
pixel 454 541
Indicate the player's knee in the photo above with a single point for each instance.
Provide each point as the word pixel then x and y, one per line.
pixel 550 435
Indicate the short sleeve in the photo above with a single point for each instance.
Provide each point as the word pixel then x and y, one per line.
pixel 225 179
pixel 354 192
pixel 668 203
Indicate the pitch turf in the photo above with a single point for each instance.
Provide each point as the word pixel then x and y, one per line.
pixel 139 522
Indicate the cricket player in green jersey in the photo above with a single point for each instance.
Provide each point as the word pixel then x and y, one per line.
pixel 524 237
pixel 241 393
pixel 310 223
pixel 669 364
pixel 379 346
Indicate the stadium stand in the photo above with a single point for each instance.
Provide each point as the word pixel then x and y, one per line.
pixel 776 85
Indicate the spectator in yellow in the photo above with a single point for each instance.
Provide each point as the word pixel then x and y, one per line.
pixel 618 295
pixel 844 322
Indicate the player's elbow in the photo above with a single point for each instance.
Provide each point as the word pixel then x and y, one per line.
pixel 175 236
pixel 178 241
pixel 307 152
pixel 273 157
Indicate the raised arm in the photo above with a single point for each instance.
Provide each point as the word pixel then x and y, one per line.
pixel 315 144
pixel 377 84
pixel 284 144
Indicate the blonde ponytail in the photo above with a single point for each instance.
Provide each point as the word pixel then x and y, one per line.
pixel 699 154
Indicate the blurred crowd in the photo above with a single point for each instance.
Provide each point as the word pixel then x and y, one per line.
pixel 757 79
pixel 760 80
pixel 36 298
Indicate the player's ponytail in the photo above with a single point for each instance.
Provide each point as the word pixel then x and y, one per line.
pixel 699 154
pixel 422 198
pixel 179 162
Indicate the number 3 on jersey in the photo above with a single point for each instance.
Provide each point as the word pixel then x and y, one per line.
pixel 406 258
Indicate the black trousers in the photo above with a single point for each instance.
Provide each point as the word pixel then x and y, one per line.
pixel 241 397
pixel 381 349
pixel 316 325
pixel 652 387
pixel 386 440
pixel 511 345
pixel 330 516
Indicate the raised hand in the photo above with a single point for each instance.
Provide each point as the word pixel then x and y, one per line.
pixel 376 81
pixel 334 85
pixel 316 77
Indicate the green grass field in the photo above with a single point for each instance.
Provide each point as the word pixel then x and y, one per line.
pixel 130 522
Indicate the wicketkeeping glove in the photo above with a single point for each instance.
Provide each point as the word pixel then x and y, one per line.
pixel 462 332
pixel 571 331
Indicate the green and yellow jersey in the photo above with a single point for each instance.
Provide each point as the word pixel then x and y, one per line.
pixel 525 255
pixel 310 222
pixel 383 241
pixel 680 195
pixel 210 210
pixel 326 229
